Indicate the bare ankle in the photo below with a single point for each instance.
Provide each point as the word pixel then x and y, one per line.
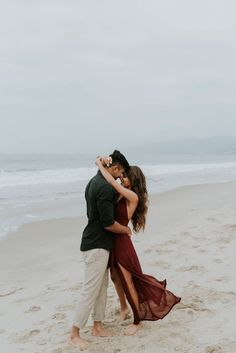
pixel 74 332
pixel 97 325
pixel 124 308
pixel 101 332
pixel 124 313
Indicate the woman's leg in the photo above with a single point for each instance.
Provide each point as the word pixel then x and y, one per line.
pixel 130 285
pixel 124 309
pixel 134 301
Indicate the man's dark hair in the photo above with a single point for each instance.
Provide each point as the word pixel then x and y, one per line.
pixel 119 158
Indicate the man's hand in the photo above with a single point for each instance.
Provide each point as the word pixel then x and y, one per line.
pixel 129 233
pixel 119 228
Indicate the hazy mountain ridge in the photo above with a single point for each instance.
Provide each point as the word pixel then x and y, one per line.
pixel 212 145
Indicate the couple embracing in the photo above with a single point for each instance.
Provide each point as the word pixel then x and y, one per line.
pixel 106 245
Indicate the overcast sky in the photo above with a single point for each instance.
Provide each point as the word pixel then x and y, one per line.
pixel 80 76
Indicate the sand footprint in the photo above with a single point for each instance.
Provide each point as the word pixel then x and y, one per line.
pixel 211 219
pixel 75 288
pixel 218 261
pixel 58 350
pixel 147 251
pixel 185 234
pixel 214 349
pixel 57 328
pixel 59 316
pixel 192 307
pixel 196 246
pixel 43 342
pixel 224 279
pixel 193 268
pixel 202 251
pixel 67 307
pixel 161 264
pixel 10 292
pixel 25 336
pixel 224 240
pixel 211 295
pixel 158 249
pixel 33 308
pixel 163 251
pixel 50 287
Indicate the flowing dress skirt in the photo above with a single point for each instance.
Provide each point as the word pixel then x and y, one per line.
pixel 155 301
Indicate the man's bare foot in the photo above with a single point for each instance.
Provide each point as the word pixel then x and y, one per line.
pixel 132 329
pixel 78 342
pixel 124 314
pixel 101 332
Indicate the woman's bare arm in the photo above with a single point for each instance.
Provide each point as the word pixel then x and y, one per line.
pixel 126 193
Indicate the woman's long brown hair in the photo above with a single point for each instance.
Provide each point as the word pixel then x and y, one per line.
pixel 138 185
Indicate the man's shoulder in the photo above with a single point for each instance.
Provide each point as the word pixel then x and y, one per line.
pixel 101 184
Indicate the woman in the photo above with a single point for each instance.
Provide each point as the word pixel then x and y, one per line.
pixel 148 297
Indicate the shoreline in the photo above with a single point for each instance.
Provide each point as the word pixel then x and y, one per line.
pixel 189 240
pixel 83 217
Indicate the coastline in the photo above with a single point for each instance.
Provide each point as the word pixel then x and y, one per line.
pixel 13 230
pixel 189 239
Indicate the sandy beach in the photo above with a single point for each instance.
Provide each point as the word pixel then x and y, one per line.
pixel 189 240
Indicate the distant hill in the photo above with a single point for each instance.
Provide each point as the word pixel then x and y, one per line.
pixel 212 145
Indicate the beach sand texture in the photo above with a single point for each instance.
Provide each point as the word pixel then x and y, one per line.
pixel 189 240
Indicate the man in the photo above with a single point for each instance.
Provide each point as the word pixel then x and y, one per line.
pixel 96 244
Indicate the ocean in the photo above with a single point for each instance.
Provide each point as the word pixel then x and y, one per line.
pixel 40 186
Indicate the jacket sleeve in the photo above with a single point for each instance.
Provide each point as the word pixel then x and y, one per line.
pixel 105 205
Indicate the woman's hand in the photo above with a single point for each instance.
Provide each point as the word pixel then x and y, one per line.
pixel 103 161
pixel 98 161
pixel 107 161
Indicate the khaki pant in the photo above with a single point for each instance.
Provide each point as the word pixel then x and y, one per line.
pixel 93 294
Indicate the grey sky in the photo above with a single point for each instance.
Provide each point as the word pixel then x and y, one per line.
pixel 86 75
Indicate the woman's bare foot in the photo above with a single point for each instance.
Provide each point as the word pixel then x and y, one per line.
pixel 132 329
pixel 78 342
pixel 124 314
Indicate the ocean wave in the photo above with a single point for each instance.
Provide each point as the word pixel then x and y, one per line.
pixel 157 170
pixel 21 178
pixel 58 176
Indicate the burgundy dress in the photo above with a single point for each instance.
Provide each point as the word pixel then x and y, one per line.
pixel 155 301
